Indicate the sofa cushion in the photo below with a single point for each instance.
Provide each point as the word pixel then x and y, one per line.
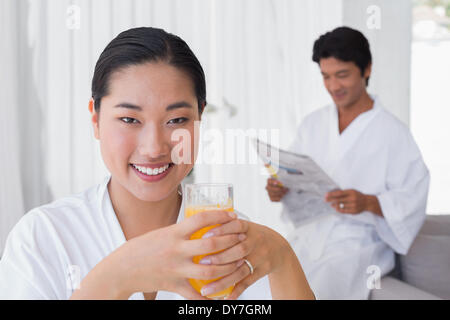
pixel 394 289
pixel 427 263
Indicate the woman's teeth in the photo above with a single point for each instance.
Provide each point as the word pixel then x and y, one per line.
pixel 150 171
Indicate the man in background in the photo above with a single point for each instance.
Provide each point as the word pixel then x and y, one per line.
pixel 372 156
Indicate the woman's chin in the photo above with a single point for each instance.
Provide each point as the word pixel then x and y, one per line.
pixel 153 197
pixel 155 193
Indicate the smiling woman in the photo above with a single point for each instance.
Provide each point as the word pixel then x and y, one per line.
pixel 121 239
pixel 159 99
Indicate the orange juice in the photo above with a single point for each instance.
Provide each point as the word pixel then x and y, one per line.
pixel 198 284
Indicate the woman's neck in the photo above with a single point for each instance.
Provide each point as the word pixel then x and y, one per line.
pixel 137 217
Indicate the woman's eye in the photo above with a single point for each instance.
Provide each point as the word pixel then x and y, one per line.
pixel 178 121
pixel 128 120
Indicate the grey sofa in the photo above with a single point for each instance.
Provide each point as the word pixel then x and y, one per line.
pixel 424 272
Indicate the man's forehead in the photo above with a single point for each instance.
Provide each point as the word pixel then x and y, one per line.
pixel 332 64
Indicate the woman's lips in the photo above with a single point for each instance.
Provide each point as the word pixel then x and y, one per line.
pixel 153 166
pixel 153 178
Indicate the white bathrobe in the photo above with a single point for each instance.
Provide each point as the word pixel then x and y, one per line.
pixel 342 254
pixel 53 247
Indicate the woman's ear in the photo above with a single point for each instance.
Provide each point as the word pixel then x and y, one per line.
pixel 368 71
pixel 202 108
pixel 94 119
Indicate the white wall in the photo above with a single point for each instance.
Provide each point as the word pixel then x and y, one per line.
pixel 430 115
pixel 11 197
pixel 391 48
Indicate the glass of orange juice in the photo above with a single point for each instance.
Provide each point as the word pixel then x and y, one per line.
pixel 202 197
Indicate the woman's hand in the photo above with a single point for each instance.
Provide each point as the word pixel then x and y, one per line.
pixel 269 254
pixel 162 260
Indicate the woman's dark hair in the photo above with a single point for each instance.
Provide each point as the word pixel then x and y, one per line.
pixel 344 44
pixel 140 45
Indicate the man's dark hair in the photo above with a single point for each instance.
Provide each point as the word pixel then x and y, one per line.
pixel 140 45
pixel 345 44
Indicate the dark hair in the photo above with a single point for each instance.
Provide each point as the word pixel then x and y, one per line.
pixel 344 44
pixel 140 45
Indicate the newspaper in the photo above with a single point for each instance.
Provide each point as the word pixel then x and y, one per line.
pixel 306 181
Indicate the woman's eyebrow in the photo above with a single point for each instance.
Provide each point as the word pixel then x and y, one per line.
pixel 173 106
pixel 176 105
pixel 128 106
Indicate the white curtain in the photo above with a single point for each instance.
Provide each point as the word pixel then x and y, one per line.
pixel 11 199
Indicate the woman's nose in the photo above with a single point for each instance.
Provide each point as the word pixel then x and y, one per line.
pixel 153 144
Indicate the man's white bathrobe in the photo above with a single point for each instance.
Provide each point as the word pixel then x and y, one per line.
pixel 342 254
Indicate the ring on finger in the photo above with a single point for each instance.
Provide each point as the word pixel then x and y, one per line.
pixel 249 265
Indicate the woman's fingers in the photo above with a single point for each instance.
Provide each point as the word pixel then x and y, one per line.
pixel 212 244
pixel 232 254
pixel 205 219
pixel 227 281
pixel 204 272
pixel 234 226
pixel 241 279
pixel 188 292
pixel 241 286
pixel 246 282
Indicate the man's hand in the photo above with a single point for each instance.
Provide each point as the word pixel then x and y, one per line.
pixel 353 202
pixel 275 190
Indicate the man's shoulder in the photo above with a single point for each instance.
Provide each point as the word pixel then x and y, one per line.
pixel 390 132
pixel 391 126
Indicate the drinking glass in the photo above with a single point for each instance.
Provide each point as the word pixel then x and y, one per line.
pixel 202 197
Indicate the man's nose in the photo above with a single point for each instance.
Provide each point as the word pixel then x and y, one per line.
pixel 334 84
pixel 152 143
